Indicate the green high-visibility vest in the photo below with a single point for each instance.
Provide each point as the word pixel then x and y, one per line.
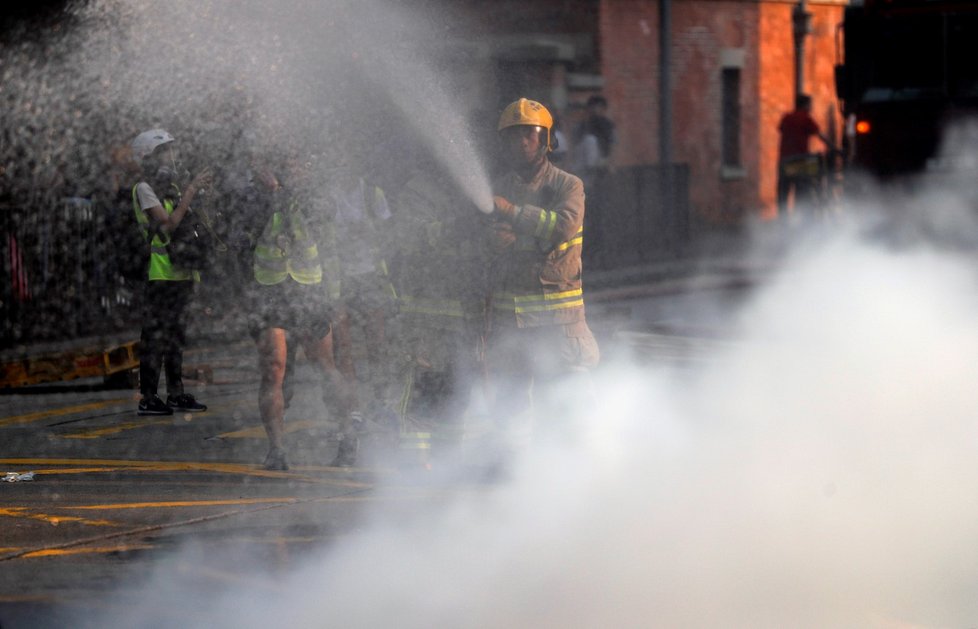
pixel 285 249
pixel 160 266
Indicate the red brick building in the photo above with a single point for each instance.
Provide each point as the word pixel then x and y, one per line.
pixel 732 76
pixel 717 45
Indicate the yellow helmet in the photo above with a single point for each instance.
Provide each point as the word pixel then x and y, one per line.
pixel 529 113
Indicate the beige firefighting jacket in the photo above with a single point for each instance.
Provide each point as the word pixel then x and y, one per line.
pixel 538 280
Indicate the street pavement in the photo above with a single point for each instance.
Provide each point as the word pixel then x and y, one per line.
pixel 114 494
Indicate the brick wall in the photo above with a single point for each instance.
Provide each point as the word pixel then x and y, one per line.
pixel 706 34
pixel 777 87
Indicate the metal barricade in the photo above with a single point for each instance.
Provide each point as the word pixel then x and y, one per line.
pixel 58 275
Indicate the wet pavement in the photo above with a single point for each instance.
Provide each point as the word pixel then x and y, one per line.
pixel 113 494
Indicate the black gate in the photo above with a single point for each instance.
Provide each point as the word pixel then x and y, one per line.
pixel 636 215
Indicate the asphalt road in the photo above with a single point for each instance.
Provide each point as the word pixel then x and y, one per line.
pixel 113 495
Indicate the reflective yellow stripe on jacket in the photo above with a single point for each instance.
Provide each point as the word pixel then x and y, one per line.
pixel 539 302
pixel 530 244
pixel 578 239
pixel 546 225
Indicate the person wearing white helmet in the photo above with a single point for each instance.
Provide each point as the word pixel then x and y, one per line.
pixel 539 340
pixel 159 206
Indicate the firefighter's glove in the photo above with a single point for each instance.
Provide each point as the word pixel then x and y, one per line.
pixel 501 237
pixel 503 209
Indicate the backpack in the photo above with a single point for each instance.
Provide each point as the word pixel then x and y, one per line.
pixel 195 243
pixel 192 243
pixel 126 246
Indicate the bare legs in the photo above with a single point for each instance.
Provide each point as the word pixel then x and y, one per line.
pixel 272 346
pixel 271 402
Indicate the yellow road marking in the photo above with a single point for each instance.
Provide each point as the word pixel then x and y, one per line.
pixel 180 466
pixel 114 429
pixel 223 407
pixel 73 470
pixel 28 598
pixel 55 412
pixel 23 512
pixel 258 432
pixel 232 577
pixel 183 503
pixel 87 545
pixel 278 540
pixel 121 548
pixel 61 552
pixel 95 433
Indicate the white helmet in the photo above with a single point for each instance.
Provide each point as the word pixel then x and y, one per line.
pixel 147 141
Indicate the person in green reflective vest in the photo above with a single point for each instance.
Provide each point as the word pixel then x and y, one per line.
pixel 168 288
pixel 291 301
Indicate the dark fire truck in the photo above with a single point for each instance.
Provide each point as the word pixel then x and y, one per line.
pixel 910 70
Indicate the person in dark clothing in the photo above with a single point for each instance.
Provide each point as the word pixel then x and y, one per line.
pixel 168 288
pixel 796 128
pixel 593 143
pixel 600 125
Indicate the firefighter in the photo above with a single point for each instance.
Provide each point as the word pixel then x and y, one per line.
pixel 292 304
pixel 538 334
pixel 442 308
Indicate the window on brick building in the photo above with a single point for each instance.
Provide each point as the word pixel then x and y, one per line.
pixel 730 113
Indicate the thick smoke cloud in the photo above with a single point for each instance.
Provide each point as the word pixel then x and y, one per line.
pixel 818 473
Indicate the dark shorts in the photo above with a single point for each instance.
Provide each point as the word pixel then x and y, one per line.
pixel 291 306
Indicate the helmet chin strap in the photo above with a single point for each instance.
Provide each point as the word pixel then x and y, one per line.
pixel 544 144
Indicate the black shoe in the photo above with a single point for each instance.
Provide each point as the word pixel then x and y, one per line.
pixel 346 455
pixel 185 402
pixel 276 461
pixel 153 405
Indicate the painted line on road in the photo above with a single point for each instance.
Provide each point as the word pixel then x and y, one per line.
pixel 57 412
pixel 151 528
pixel 28 598
pixel 258 432
pixel 95 433
pixel 238 469
pixel 184 503
pixel 232 577
pixel 166 420
pixel 96 550
pixel 80 545
pixel 28 514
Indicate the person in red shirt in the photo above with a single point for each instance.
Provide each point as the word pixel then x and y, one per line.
pixel 796 128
